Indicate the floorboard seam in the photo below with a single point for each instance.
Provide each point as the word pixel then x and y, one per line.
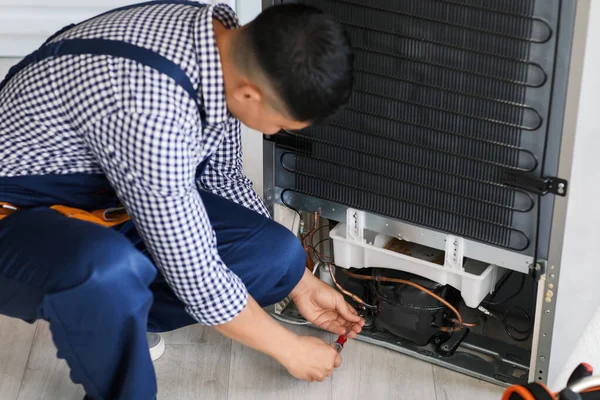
pixel 35 332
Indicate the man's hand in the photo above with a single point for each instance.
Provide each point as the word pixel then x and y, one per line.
pixel 323 306
pixel 311 359
pixel 304 357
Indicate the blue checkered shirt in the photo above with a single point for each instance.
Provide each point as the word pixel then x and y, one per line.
pixel 101 114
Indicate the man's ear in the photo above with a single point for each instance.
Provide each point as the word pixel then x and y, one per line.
pixel 248 93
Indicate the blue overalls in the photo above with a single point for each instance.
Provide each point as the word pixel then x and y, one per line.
pixel 97 286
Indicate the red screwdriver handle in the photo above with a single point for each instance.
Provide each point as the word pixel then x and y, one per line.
pixel 339 343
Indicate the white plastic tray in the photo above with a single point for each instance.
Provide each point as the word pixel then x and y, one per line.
pixel 474 279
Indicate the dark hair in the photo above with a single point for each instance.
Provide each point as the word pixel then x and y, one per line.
pixel 307 57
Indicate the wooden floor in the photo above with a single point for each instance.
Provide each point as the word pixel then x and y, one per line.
pixel 199 363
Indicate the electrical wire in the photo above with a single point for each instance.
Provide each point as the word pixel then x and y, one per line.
pixel 319 255
pixel 282 197
pixel 499 286
pixel 289 321
pixel 318 229
pixel 512 296
pixel 516 334
pixel 313 229
pixel 354 297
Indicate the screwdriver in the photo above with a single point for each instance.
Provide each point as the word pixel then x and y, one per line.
pixel 342 339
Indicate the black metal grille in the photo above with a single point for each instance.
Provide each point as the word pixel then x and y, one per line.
pixel 437 115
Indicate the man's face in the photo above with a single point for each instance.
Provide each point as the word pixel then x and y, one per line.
pixel 253 111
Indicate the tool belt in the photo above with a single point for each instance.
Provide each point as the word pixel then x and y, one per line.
pixel 107 218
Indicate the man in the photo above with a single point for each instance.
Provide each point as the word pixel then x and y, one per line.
pixel 140 107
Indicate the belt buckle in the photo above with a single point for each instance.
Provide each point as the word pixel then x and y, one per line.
pixel 113 214
pixel 7 209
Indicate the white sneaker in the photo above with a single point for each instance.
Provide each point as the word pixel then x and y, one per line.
pixel 156 344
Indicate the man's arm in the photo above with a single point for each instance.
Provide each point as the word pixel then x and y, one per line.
pixel 146 160
pixel 305 357
pixel 224 173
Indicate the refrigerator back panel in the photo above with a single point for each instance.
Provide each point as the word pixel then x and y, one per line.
pixel 451 97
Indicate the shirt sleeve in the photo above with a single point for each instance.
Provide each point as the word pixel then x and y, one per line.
pixel 148 161
pixel 224 173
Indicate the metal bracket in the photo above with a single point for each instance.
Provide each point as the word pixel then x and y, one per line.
pixel 537 270
pixel 455 252
pixel 536 184
pixel 355 225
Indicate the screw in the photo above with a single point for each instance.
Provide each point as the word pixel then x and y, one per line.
pixel 547 311
pixel 542 358
pixel 269 198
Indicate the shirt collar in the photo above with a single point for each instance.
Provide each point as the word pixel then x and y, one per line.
pixel 212 86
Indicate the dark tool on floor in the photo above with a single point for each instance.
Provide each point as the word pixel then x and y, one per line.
pixel 581 386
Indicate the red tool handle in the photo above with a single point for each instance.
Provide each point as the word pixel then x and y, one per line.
pixel 340 342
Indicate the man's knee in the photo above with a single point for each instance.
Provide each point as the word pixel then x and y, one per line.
pixel 116 290
pixel 120 274
pixel 283 265
pixel 112 271
pixel 290 249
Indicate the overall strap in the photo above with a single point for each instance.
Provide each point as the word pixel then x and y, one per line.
pixel 111 48
pixel 106 47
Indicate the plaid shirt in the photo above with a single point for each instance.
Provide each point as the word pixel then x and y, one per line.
pixel 101 114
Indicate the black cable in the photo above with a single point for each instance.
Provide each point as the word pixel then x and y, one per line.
pixel 282 196
pixel 512 296
pixel 499 287
pixel 315 232
pixel 516 334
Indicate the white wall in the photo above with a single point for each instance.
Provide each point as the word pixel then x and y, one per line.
pixel 5 64
pixel 25 24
